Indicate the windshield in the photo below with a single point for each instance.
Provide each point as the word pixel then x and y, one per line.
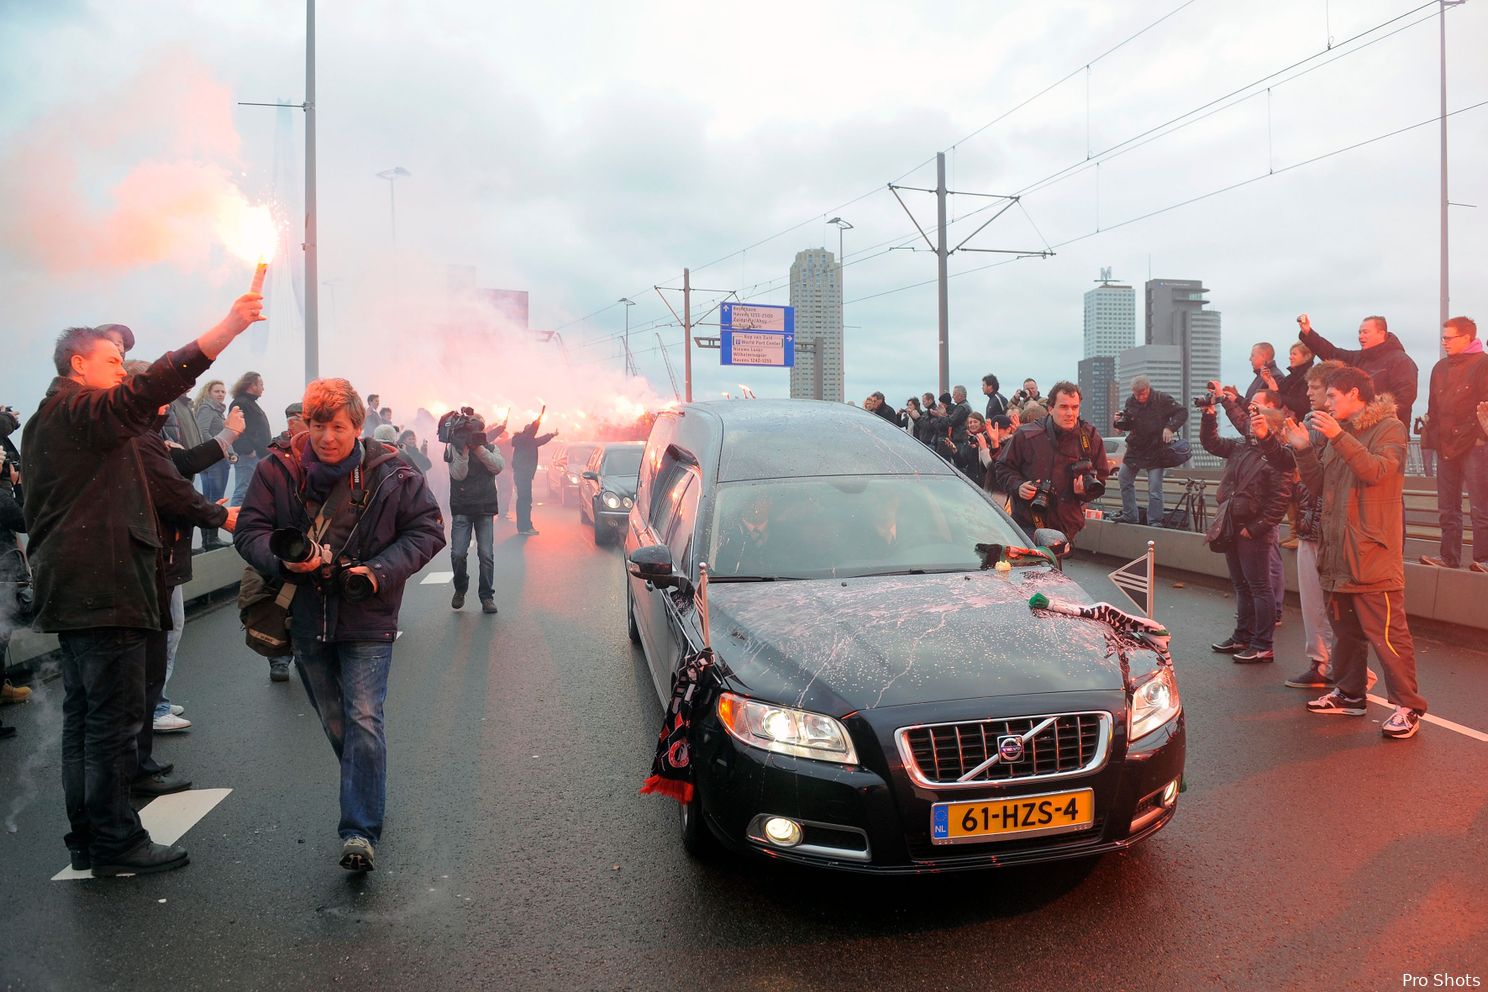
pixel 852 525
pixel 577 456
pixel 623 461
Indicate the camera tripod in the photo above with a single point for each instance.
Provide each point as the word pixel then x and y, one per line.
pixel 1193 504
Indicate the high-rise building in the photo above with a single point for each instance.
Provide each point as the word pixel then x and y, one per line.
pixel 816 294
pixel 1176 318
pixel 1100 397
pixel 1110 318
pixel 1162 364
pixel 1110 328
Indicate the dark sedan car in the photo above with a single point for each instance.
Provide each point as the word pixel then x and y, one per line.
pixel 564 468
pixel 886 705
pixel 607 488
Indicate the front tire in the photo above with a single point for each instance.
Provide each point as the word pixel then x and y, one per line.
pixel 630 624
pixel 601 533
pixel 697 840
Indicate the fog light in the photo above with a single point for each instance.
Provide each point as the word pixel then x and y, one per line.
pixel 782 832
pixel 1170 794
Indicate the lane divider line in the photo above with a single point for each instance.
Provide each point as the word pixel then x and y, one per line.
pixel 1476 735
pixel 167 818
pixel 437 579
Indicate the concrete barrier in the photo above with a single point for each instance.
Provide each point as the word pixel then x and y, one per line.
pixel 214 574
pixel 1446 596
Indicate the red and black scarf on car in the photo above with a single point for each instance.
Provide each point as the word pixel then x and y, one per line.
pixel 693 688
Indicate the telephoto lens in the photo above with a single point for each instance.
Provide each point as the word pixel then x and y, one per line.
pixel 290 544
pixel 355 586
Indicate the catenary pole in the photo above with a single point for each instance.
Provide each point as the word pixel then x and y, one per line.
pixel 942 256
pixel 687 330
pixel 312 265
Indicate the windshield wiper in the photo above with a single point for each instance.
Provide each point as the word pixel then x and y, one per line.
pixel 750 578
pixel 904 571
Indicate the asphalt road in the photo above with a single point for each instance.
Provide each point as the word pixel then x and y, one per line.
pixel 1307 853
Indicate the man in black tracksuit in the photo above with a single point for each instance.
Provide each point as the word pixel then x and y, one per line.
pixel 1380 354
pixel 524 466
pixel 1151 419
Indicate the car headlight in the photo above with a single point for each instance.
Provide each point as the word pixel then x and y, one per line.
pixel 783 730
pixel 574 479
pixel 627 502
pixel 611 500
pixel 1154 703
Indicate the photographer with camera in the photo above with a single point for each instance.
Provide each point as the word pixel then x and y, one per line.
pixel 1053 467
pixel 343 522
pixel 474 464
pixel 1253 498
pixel 1152 420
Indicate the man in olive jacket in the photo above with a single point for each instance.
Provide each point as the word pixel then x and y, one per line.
pixel 94 547
pixel 1361 476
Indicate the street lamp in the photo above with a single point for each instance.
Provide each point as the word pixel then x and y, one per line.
pixel 393 175
pixel 629 362
pixel 841 226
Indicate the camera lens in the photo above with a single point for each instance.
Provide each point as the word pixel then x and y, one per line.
pixel 356 587
pixel 291 544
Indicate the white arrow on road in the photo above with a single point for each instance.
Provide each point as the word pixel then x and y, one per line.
pixel 167 818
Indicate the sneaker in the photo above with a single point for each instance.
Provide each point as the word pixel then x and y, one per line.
pixel 171 724
pixel 1403 723
pixel 278 671
pixel 457 600
pixel 488 606
pixel 1229 646
pixel 357 854
pixel 1313 678
pixel 177 710
pixel 529 532
pixel 14 693
pixel 1435 561
pixel 1478 566
pixel 1252 656
pixel 1337 703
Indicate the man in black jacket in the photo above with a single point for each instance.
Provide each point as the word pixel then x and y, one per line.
pixel 524 466
pixel 1380 354
pixel 997 404
pixel 474 464
pixel 94 545
pixel 253 444
pixel 12 573
pixel 1151 419
pixel 1459 382
pixel 1253 497
pixel 1061 450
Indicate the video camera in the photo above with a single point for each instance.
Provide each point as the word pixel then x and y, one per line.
pixel 462 428
pixel 292 545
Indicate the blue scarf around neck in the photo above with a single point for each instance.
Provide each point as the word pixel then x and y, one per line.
pixel 321 477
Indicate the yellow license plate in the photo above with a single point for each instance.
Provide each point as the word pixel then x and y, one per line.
pixel 1004 819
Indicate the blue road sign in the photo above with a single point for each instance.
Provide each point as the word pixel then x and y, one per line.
pixel 762 349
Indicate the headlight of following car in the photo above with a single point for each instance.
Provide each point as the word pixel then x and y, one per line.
pixel 574 479
pixel 1154 703
pixel 627 502
pixel 611 500
pixel 783 730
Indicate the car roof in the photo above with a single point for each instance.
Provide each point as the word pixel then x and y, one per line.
pixel 782 439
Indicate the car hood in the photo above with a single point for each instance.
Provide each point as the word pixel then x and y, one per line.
pixel 839 645
pixel 621 485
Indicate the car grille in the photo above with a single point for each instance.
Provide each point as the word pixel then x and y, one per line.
pixel 939 755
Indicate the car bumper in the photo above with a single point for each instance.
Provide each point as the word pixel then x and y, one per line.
pixel 877 821
pixel 611 518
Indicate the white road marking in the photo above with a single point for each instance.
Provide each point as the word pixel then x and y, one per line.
pixel 437 578
pixel 1476 735
pixel 167 818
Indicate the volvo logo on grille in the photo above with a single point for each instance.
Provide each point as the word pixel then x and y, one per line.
pixel 1010 748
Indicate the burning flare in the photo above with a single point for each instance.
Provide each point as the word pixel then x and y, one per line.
pixel 249 232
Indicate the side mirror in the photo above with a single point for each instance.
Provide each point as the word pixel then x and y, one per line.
pixel 592 476
pixel 653 564
pixel 1054 540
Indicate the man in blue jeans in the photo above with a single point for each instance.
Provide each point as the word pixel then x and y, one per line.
pixel 1152 420
pixel 1459 383
pixel 474 464
pixel 1254 497
pixel 370 523
pixel 95 549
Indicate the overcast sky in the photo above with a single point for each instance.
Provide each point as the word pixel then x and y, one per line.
pixel 585 152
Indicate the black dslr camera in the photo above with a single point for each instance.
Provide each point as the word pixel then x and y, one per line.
pixel 462 428
pixel 1123 421
pixel 1043 497
pixel 1206 401
pixel 290 544
pixel 1085 469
